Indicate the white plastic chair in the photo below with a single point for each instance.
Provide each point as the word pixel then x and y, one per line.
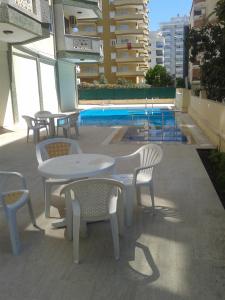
pixel 52 148
pixel 11 201
pixel 41 113
pixel 149 156
pixel 65 125
pixel 41 116
pixel 36 126
pixel 91 200
pixel 73 122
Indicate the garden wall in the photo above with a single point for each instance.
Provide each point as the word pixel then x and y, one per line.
pixel 182 99
pixel 210 117
pixel 126 93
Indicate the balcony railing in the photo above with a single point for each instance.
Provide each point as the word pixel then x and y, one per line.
pixel 130 2
pixel 25 4
pixel 83 44
pixel 36 9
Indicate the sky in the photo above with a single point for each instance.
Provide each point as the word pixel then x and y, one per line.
pixel 163 10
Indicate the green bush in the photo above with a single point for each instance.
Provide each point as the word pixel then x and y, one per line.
pixel 217 160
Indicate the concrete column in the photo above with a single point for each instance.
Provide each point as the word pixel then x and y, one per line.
pixel 6 112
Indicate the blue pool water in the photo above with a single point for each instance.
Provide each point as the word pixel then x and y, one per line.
pixel 126 116
pixel 147 124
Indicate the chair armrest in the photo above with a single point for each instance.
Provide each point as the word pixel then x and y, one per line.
pixel 113 204
pixel 126 157
pixel 76 208
pixel 38 155
pixel 137 170
pixel 15 174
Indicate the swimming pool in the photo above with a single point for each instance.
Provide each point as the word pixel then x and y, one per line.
pixel 146 123
pixel 126 116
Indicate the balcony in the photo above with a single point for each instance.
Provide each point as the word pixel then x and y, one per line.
pixel 85 9
pixel 73 45
pixel 130 72
pixel 84 32
pixel 89 73
pixel 24 20
pixel 131 59
pixel 132 45
pixel 134 31
pixel 130 2
pixel 199 22
pixel 79 48
pixel 129 15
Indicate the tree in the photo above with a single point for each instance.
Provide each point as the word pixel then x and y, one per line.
pixel 207 46
pixel 102 79
pixel 158 76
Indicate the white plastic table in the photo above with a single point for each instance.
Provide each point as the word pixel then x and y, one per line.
pixel 51 117
pixel 76 166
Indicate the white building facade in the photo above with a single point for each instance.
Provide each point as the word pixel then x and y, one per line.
pixel 38 55
pixel 175 56
pixel 157 44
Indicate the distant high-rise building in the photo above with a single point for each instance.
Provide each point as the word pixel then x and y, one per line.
pixel 157 44
pixel 125 35
pixel 175 56
pixel 201 14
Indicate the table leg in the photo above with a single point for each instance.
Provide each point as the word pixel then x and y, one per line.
pixel 51 127
pixel 130 202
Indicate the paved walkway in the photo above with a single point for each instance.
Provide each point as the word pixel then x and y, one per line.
pixel 179 254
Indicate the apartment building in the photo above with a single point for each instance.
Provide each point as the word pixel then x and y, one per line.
pixel 175 57
pixel 38 54
pixel 125 35
pixel 201 14
pixel 157 45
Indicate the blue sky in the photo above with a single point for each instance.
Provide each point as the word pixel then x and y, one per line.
pixel 163 10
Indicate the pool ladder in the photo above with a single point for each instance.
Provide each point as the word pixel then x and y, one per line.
pixel 163 127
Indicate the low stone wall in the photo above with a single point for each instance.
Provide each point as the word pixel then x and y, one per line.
pixel 210 117
pixel 127 102
pixel 182 99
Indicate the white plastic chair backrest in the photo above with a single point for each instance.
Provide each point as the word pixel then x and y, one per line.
pixel 30 121
pixel 150 155
pixel 93 195
pixel 56 147
pixel 11 181
pixel 40 113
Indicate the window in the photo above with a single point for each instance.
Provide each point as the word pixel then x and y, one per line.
pixel 113 42
pixel 124 41
pixel 197 12
pixel 113 55
pixel 159 53
pixel 100 28
pixel 123 27
pixel 159 44
pixel 113 69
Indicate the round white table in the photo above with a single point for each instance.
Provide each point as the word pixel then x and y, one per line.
pixel 76 166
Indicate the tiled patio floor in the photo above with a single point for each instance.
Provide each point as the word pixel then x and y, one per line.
pixel 179 254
